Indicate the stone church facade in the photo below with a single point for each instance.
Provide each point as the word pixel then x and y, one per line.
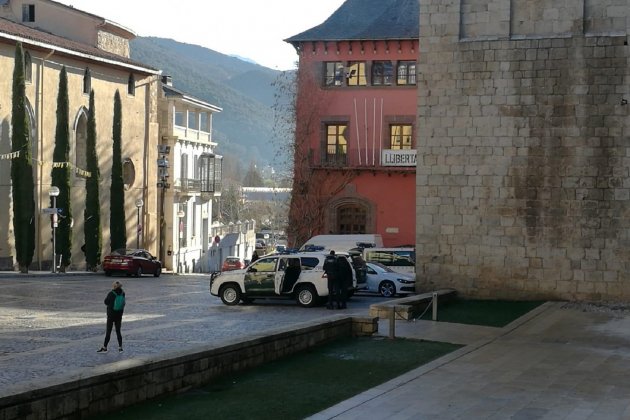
pixel 95 53
pixel 523 183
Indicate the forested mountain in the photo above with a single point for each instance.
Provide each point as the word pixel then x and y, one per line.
pixel 244 130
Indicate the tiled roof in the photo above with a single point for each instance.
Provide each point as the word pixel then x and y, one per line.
pixel 367 20
pixel 170 91
pixel 15 31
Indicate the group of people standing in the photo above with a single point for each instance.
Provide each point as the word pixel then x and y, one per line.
pixel 339 274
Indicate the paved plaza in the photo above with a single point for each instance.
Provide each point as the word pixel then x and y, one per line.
pixel 51 326
pixel 560 361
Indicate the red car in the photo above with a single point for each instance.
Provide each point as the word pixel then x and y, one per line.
pixel 232 263
pixel 132 262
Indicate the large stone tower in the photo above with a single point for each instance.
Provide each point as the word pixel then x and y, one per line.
pixel 523 177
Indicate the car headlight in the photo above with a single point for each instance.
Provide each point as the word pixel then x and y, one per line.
pixel 405 281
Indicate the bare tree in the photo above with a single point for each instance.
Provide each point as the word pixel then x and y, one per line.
pixel 298 113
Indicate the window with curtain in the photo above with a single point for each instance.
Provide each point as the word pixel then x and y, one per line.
pixel 400 136
pixel 336 144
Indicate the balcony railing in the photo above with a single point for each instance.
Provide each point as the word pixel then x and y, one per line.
pixel 197 185
pixel 188 185
pixel 190 134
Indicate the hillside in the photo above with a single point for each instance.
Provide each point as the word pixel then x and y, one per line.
pixel 244 130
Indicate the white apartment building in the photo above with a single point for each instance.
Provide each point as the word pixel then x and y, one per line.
pixel 189 178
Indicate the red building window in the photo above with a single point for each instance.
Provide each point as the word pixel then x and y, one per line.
pixel 336 144
pixel 334 73
pixel 382 73
pixel 400 136
pixel 356 74
pixel 406 73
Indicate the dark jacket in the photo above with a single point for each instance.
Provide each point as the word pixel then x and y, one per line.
pixel 331 267
pixel 109 301
pixel 345 271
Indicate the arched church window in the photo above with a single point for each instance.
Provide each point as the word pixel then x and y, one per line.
pixel 87 81
pixel 28 67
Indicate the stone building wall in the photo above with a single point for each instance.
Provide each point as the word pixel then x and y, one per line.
pixel 523 187
pixel 113 43
pixel 139 147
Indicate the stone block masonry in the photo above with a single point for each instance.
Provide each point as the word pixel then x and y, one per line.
pixel 523 183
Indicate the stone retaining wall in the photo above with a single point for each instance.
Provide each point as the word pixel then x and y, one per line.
pixel 116 385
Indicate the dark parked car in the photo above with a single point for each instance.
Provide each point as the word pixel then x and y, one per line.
pixel 132 262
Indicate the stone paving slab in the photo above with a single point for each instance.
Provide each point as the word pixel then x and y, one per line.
pixel 557 362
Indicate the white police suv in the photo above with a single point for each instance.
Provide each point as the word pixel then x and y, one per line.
pixel 297 276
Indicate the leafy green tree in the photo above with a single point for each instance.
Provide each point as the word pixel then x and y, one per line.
pixel 22 183
pixel 118 229
pixel 92 212
pixel 61 176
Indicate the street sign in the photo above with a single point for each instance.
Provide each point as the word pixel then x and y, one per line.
pixel 52 210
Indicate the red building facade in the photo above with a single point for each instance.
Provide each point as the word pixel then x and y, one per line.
pixel 355 150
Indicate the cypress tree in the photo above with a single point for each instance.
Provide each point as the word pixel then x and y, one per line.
pixel 118 229
pixel 61 176
pixel 92 212
pixel 22 184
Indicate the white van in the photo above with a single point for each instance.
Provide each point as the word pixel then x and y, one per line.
pixel 341 243
pixel 402 260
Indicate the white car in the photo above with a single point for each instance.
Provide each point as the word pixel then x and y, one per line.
pixel 294 276
pixel 387 282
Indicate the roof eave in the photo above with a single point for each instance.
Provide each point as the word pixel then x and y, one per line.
pixel 70 52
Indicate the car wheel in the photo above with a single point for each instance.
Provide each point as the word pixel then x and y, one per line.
pixel 230 294
pixel 139 272
pixel 108 273
pixel 306 296
pixel 387 289
pixel 158 271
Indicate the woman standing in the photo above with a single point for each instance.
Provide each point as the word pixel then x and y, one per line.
pixel 115 301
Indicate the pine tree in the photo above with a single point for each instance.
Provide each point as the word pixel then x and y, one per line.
pixel 117 218
pixel 61 176
pixel 253 178
pixel 92 213
pixel 22 183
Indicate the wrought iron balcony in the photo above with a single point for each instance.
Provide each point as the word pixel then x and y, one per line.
pixel 187 185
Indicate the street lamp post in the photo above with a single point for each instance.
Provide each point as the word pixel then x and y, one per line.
pixel 139 204
pixel 180 216
pixel 53 192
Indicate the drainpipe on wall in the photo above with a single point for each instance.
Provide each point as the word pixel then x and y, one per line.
pixel 40 113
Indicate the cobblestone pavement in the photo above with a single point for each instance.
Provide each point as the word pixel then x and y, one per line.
pixel 53 325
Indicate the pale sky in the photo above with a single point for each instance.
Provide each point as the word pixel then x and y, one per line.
pixel 253 29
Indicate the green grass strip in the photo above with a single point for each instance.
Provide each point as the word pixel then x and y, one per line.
pixel 299 385
pixel 490 313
